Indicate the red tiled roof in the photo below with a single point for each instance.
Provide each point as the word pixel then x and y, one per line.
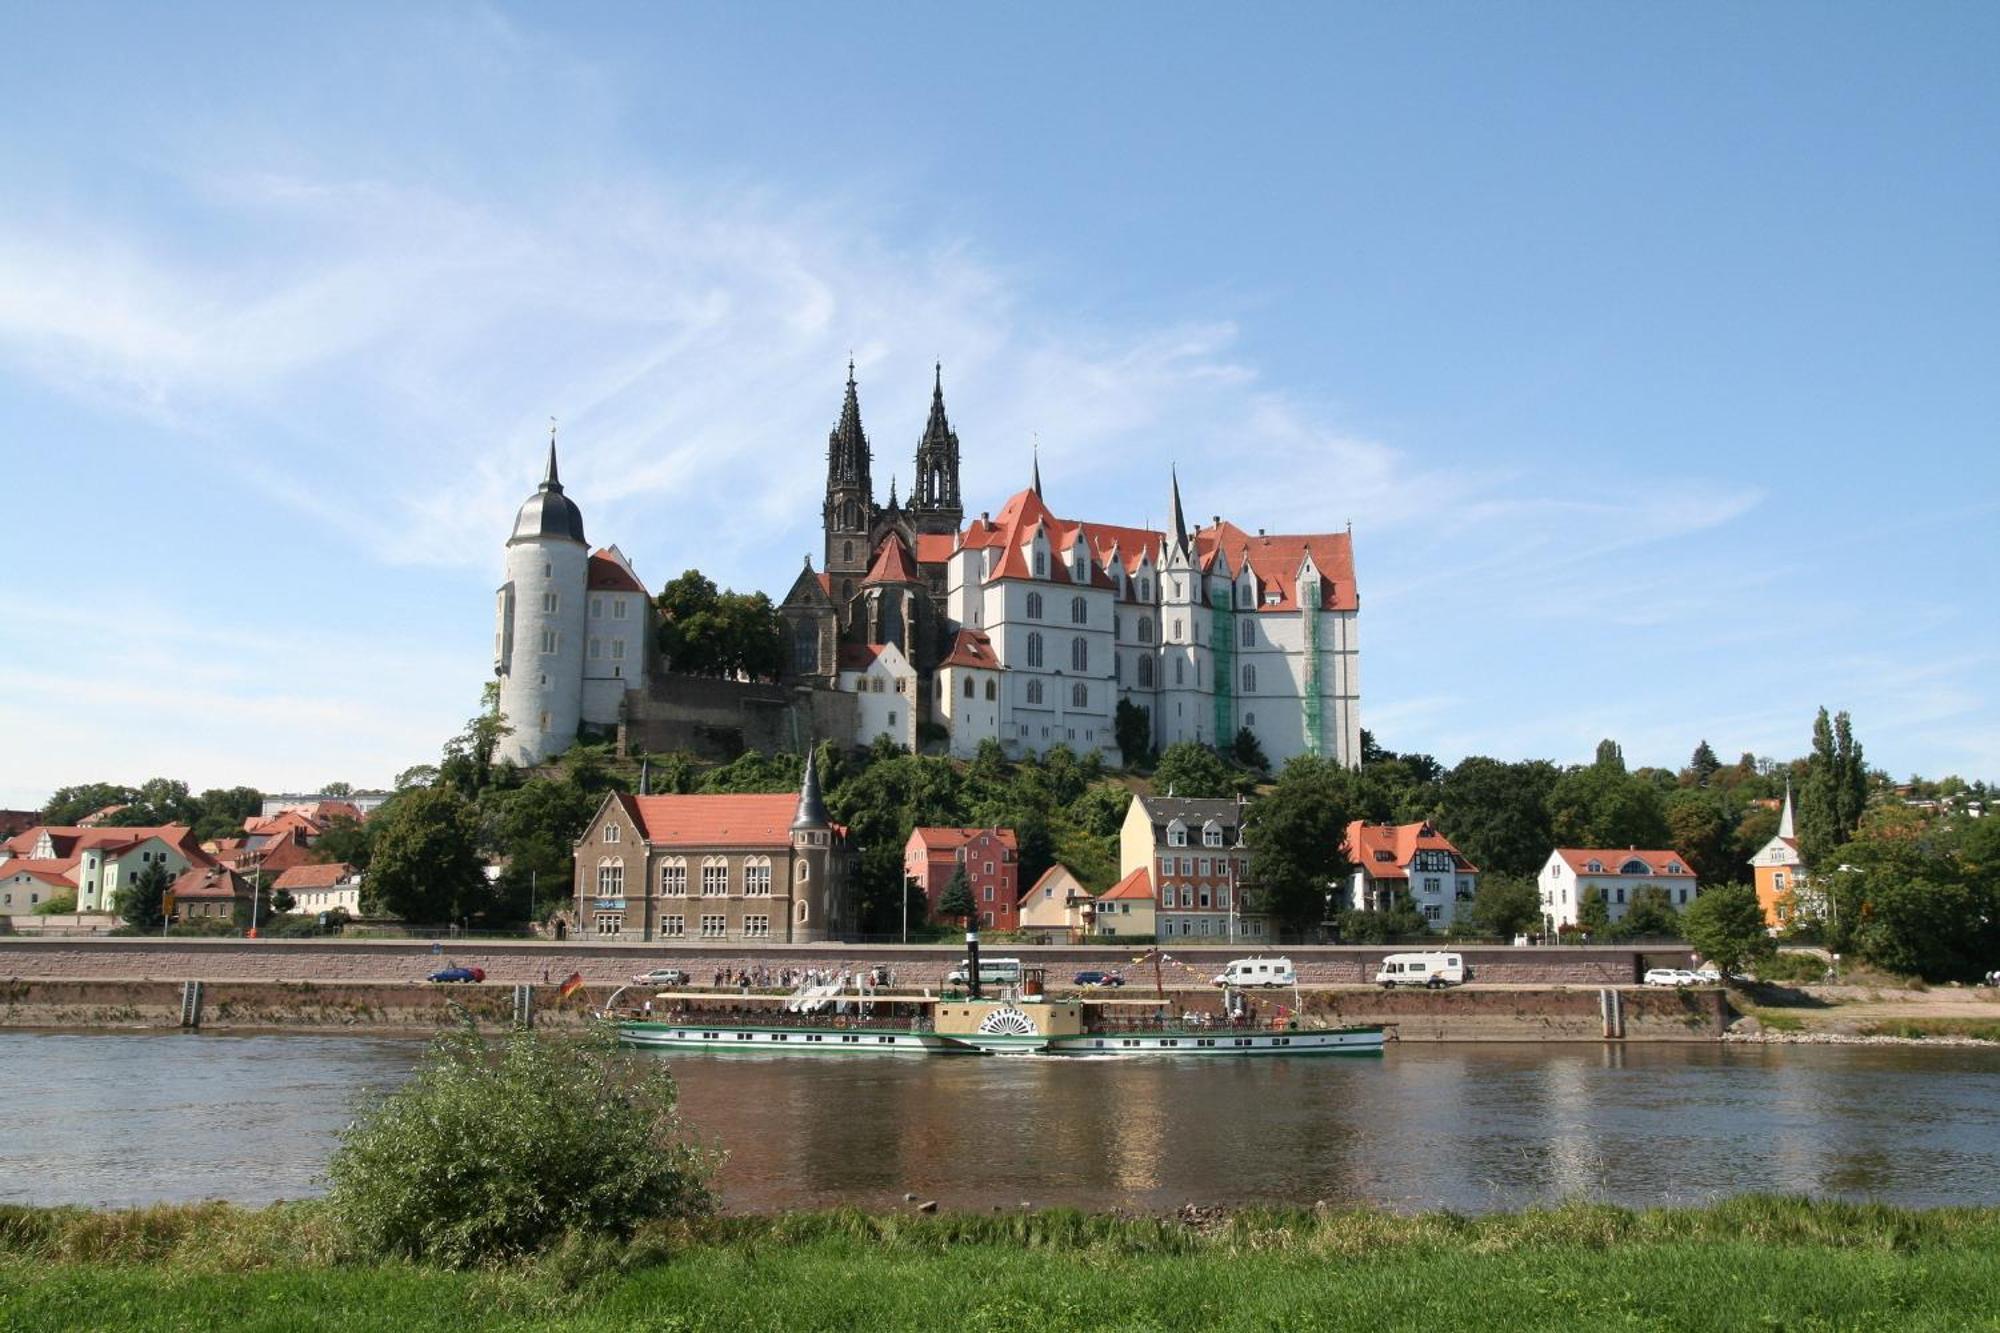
pixel 1138 884
pixel 892 564
pixel 48 872
pixel 1577 858
pixel 71 839
pixel 934 548
pixel 940 840
pixel 210 882
pixel 314 876
pixel 858 656
pixel 1402 842
pixel 1276 560
pixel 607 573
pixel 714 821
pixel 971 648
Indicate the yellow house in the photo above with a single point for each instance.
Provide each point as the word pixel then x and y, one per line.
pixel 1780 873
pixel 1058 908
pixel 1126 908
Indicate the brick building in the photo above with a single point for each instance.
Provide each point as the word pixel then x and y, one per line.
pixel 991 858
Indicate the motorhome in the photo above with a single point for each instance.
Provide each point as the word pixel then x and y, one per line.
pixel 1432 970
pixel 1258 972
pixel 992 972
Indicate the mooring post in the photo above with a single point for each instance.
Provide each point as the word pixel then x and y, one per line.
pixel 190 1004
pixel 524 1005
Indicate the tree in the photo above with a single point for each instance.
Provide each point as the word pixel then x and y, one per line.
pixel 535 828
pixel 223 810
pixel 426 866
pixel 467 763
pixel 282 902
pixel 706 633
pixel 1133 725
pixel 59 904
pixel 1246 751
pixel 1593 914
pixel 336 789
pixel 1725 926
pixel 1496 813
pixel 1610 754
pixel 1295 835
pixel 1650 915
pixel 347 840
pixel 1820 833
pixel 143 901
pixel 1850 775
pixel 1506 906
pixel 1909 906
pixel 70 804
pixel 1703 766
pixel 1399 921
pixel 1189 768
pixel 1698 830
pixel 494 1152
pixel 1604 806
pixel 956 901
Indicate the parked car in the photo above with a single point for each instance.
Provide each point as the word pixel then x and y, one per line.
pixel 458 974
pixel 662 976
pixel 1432 970
pixel 1099 979
pixel 1672 976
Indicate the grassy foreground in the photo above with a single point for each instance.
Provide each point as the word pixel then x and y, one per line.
pixel 1748 1263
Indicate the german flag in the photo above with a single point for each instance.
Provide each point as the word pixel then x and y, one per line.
pixel 571 985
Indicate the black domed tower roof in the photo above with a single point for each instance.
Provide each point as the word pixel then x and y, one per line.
pixel 548 512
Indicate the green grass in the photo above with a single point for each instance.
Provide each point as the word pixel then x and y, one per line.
pixel 1747 1263
pixel 1979 1029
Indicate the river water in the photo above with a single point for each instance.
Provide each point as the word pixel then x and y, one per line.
pixel 119 1118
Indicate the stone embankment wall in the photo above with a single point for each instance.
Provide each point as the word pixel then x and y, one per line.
pixel 1529 1014
pixel 334 961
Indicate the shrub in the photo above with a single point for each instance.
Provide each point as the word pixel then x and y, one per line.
pixel 61 904
pixel 494 1151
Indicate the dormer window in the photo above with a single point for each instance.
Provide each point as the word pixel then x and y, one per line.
pixel 1635 867
pixel 1211 834
pixel 1594 867
pixel 1177 834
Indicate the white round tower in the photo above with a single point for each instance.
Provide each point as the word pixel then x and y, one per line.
pixel 538 648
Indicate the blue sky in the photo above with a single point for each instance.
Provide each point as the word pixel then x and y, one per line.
pixel 1650 351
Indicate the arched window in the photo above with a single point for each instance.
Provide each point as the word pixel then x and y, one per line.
pixel 805 648
pixel 1079 695
pixel 805 871
pixel 611 833
pixel 1145 629
pixel 847 551
pixel 1146 673
pixel 1034 650
pixel 1177 629
pixel 1034 691
pixel 1249 678
pixel 1249 636
pixel 1041 564
pixel 611 878
pixel 673 878
pixel 1079 614
pixel 991 693
pixel 715 875
pixel 968 687
pixel 1034 606
pixel 757 876
pixel 1145 590
pixel 1180 671
pixel 1079 654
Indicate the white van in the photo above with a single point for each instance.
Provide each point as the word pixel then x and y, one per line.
pixel 992 972
pixel 1258 972
pixel 1422 969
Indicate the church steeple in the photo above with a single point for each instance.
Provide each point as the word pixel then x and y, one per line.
pixel 934 499
pixel 1038 468
pixel 1180 523
pixel 849 512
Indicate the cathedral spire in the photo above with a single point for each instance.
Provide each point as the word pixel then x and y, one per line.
pixel 1038 466
pixel 1180 523
pixel 847 455
pixel 934 495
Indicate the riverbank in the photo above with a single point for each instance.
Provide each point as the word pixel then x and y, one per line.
pixel 1749 1262
pixel 1473 1013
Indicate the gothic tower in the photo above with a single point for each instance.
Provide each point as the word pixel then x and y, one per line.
pixel 850 501
pixel 934 501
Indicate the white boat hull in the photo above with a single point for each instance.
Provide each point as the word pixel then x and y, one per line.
pixel 894 1041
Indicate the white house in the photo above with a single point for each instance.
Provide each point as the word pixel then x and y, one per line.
pixel 322 888
pixel 1412 863
pixel 884 685
pixel 1614 874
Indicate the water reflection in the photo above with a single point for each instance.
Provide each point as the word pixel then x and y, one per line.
pixel 1465 1127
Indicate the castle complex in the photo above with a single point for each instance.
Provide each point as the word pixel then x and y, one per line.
pixel 1019 627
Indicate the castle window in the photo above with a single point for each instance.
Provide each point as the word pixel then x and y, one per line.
pixel 1249 678
pixel 1177 630
pixel 618 609
pixel 1145 629
pixel 805 648
pixel 674 878
pixel 1118 667
pixel 597 608
pixel 1034 606
pixel 1079 695
pixel 968 687
pixel 805 872
pixel 1034 691
pixel 545 724
pixel 549 603
pixel 1180 671
pixel 1079 654
pixel 1079 613
pixel 715 876
pixel 991 693
pixel 618 650
pixel 1249 637
pixel 1041 564
pixel 550 640
pixel 1034 650
pixel 1146 673
pixel 757 876
pixel 846 551
pixel 596 648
